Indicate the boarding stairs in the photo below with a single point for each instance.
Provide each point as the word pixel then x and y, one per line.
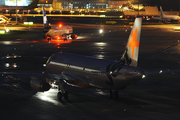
pixel 5 19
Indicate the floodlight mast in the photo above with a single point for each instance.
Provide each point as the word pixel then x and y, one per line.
pixel 179 8
pixel 16 13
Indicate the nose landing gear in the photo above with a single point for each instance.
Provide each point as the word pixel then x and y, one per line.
pixel 62 92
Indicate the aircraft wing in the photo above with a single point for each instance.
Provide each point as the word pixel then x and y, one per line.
pixel 38 82
pixel 29 74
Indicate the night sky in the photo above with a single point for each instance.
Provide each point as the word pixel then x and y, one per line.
pixel 167 5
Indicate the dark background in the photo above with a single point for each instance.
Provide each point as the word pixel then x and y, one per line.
pixel 167 5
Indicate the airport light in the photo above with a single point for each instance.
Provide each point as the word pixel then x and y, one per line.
pixel 7 30
pixel 121 16
pixel 143 76
pixel 100 44
pixel 25 23
pixel 7 64
pixel 28 23
pixel 101 31
pixel 2 32
pixel 71 12
pixel 38 11
pixel 102 15
pixel 7 42
pixel 14 65
pixel 100 56
pixel 60 25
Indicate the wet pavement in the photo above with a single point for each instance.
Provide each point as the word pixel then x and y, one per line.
pixel 155 97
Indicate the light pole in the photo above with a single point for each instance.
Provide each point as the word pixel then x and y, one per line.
pixel 179 8
pixel 102 4
pixel 138 7
pixel 16 12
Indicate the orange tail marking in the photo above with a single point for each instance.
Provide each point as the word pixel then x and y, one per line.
pixel 133 42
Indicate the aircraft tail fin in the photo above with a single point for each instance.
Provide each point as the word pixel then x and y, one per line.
pixel 162 13
pixel 130 56
pixel 45 21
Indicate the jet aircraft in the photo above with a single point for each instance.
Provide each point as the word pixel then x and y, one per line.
pixel 83 71
pixel 169 18
pixel 57 32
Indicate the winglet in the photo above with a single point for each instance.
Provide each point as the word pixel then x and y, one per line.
pixel 130 55
pixel 45 22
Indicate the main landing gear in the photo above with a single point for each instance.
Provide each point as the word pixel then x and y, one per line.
pixel 49 39
pixel 62 92
pixel 113 93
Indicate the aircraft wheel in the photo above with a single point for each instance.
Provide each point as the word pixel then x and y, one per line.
pixel 49 39
pixel 66 96
pixel 110 94
pixel 59 96
pixel 116 94
pixel 73 37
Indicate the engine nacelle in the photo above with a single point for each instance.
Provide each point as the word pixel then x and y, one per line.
pixel 39 85
pixel 74 36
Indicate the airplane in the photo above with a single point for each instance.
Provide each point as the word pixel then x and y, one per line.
pixel 171 18
pixel 57 32
pixel 84 71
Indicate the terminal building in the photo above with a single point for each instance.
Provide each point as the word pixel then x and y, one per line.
pixel 13 2
pixel 77 4
pixel 81 5
pixel 68 4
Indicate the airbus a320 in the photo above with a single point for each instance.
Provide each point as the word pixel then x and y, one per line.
pixel 57 32
pixel 82 71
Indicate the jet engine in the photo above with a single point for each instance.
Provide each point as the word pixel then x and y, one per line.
pixel 74 36
pixel 39 85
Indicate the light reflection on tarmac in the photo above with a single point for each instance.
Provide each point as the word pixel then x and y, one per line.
pixel 155 97
pixel 49 96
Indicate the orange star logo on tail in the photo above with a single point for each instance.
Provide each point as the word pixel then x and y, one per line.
pixel 133 42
